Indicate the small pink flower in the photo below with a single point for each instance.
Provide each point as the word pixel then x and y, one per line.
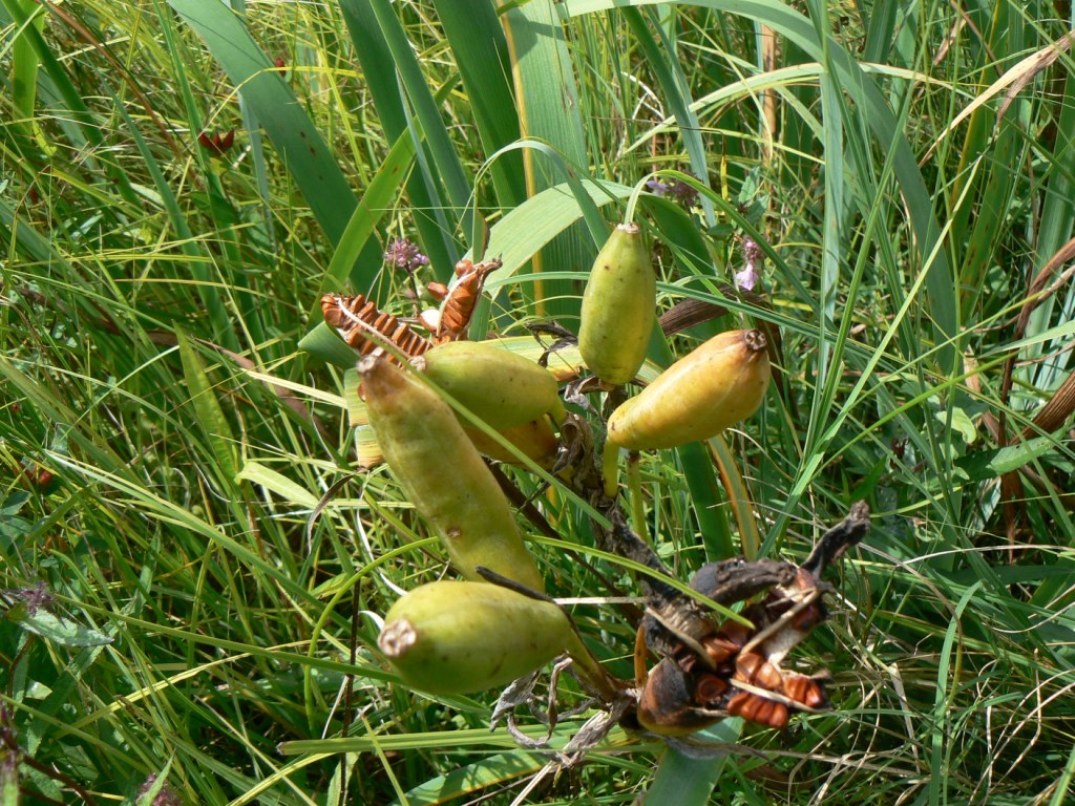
pixel 748 276
pixel 404 254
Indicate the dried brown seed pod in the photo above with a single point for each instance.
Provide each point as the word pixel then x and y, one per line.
pixel 461 299
pixel 365 327
pixel 667 704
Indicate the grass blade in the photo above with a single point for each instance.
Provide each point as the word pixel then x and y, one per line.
pixel 308 159
pixel 547 100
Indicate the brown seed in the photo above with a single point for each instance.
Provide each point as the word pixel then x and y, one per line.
pixel 709 689
pixel 720 649
pixel 757 671
pixel 805 689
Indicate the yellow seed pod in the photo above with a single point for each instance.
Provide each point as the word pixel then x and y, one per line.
pixel 619 307
pixel 502 388
pixel 716 385
pixel 535 439
pixel 452 637
pixel 443 474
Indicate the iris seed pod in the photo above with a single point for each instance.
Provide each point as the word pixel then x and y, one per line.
pixel 452 637
pixel 502 388
pixel 667 704
pixel 535 439
pixel 443 474
pixel 719 383
pixel 619 307
pixel 365 327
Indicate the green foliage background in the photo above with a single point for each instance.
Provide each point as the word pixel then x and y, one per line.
pixel 192 568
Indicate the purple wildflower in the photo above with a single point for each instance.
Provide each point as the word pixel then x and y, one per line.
pixel 677 190
pixel 404 254
pixel 658 188
pixel 749 275
pixel 33 598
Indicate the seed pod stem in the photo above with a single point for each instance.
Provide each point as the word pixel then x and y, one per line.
pixel 610 468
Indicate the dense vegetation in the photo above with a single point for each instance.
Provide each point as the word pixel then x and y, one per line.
pixel 193 568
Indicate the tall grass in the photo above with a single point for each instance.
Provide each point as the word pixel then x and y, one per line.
pixel 193 568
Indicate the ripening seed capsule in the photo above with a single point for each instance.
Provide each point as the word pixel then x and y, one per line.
pixel 443 474
pixel 719 383
pixel 451 637
pixel 619 307
pixel 535 439
pixel 502 388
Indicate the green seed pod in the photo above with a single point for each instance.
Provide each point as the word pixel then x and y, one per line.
pixel 619 307
pixel 502 388
pixel 443 474
pixel 719 383
pixel 459 637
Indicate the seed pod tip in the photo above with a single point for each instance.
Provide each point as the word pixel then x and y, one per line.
pixel 755 341
pixel 397 638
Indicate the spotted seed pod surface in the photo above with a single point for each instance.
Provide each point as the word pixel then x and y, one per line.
pixel 443 474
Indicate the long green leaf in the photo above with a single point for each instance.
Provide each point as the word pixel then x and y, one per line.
pixel 290 129
pixel 547 101
pixel 24 68
pixel 481 50
pixel 661 56
pixel 435 231
pixel 210 414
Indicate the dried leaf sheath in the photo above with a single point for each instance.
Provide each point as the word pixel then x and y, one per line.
pixel 357 319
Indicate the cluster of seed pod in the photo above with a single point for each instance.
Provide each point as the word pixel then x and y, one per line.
pixel 458 637
pixel 691 690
